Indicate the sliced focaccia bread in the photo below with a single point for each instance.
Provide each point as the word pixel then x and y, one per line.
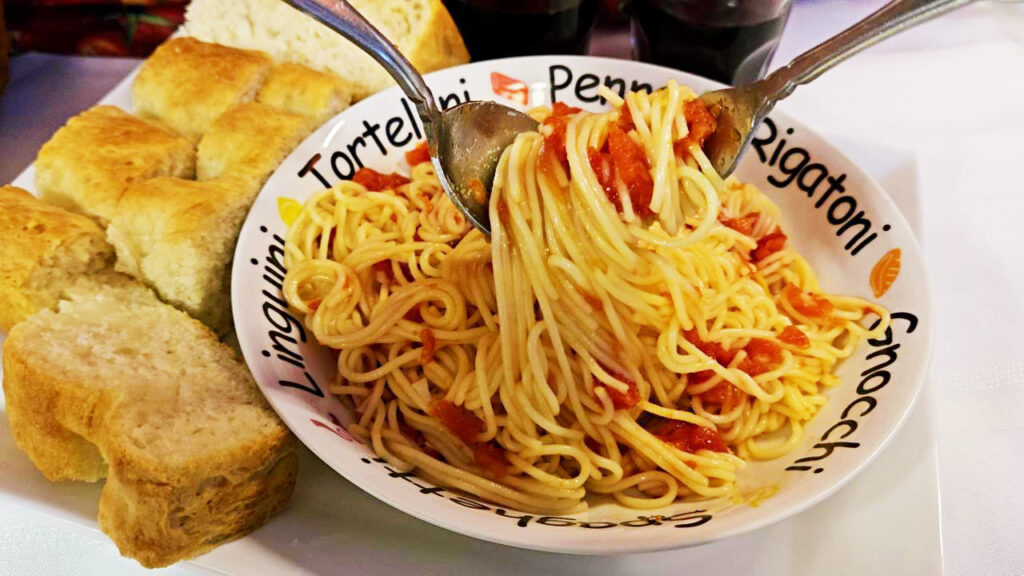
pixel 187 83
pixel 422 29
pixel 178 236
pixel 249 142
pixel 302 90
pixel 90 162
pixel 119 385
pixel 43 250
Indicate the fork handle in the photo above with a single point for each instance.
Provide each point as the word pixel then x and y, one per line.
pixel 341 17
pixel 890 19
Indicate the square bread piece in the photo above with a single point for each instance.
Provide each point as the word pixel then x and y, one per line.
pixel 43 249
pixel 178 237
pixel 187 83
pixel 89 162
pixel 297 88
pixel 129 388
pixel 421 29
pixel 249 142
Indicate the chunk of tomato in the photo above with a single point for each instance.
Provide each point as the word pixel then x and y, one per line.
pixel 461 422
pixel 689 437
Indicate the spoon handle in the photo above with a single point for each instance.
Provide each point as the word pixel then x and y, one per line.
pixel 890 19
pixel 341 17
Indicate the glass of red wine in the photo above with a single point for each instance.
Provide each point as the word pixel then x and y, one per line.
pixel 731 41
pixel 500 28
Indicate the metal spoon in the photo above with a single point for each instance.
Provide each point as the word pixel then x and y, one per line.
pixel 740 110
pixel 465 141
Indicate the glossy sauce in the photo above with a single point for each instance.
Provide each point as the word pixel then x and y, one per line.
pixel 768 244
pixel 794 337
pixel 807 303
pixel 700 123
pixel 554 139
pixel 744 224
pixel 689 437
pixel 621 400
pixel 461 422
pixel 418 155
pixel 374 181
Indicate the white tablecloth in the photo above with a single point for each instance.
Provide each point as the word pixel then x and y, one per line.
pixel 951 90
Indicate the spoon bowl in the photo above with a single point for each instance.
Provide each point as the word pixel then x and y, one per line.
pixel 737 112
pixel 470 140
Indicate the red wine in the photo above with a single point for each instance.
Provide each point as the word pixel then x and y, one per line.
pixel 499 28
pixel 732 42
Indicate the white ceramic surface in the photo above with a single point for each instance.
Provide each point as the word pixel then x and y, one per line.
pixel 838 218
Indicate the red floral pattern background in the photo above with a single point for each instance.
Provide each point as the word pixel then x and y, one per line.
pixel 92 27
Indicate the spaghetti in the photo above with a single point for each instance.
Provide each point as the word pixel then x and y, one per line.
pixel 635 326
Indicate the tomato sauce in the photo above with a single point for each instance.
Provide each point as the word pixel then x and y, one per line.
pixel 630 164
pixel 768 244
pixel 762 356
pixel 626 118
pixel 594 301
pixel 429 346
pixel 724 394
pixel 744 224
pixel 375 181
pixel 601 163
pixel 701 124
pixel 384 267
pixel 503 214
pixel 478 190
pixel 700 377
pixel 689 437
pixel 806 303
pixel 554 142
pixel 794 337
pixel 621 400
pixel 490 457
pixel 461 422
pixel 418 155
pixel 714 350
pixel 699 120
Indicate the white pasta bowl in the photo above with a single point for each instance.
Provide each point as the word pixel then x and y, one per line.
pixel 841 221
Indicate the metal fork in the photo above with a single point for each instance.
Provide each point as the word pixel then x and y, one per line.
pixel 740 110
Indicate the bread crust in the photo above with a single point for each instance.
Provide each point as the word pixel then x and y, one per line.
pixel 187 83
pixel 439 45
pixel 427 37
pixel 33 235
pixel 31 397
pixel 193 519
pixel 90 162
pixel 300 89
pixel 192 459
pixel 249 142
